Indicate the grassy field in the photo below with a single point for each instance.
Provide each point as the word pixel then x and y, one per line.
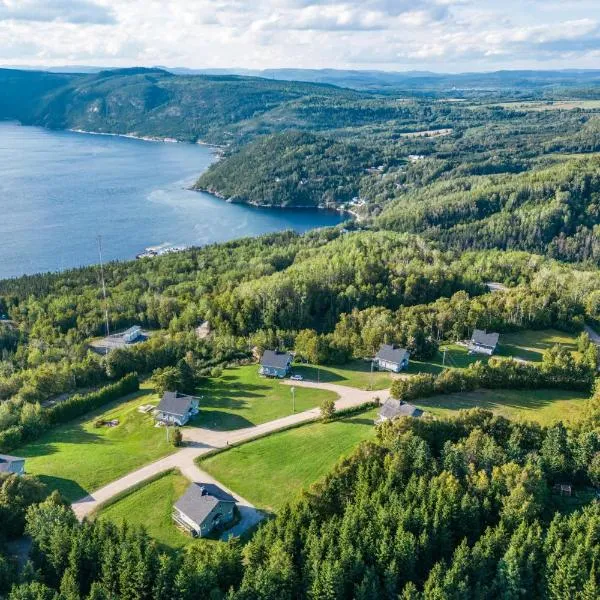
pixel 542 406
pixel 77 458
pixel 356 374
pixel 242 398
pixel 272 470
pixel 151 506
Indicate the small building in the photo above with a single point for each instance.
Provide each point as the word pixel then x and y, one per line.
pixel 176 409
pixel 391 409
pixel 483 342
pixel 274 363
pixel 203 331
pixel 562 489
pixel 391 358
pixel 132 334
pixel 12 464
pixel 203 508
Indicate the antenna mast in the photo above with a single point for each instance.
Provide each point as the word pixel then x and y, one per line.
pixel 103 285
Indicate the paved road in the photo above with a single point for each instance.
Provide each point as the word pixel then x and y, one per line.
pixel 594 337
pixel 199 441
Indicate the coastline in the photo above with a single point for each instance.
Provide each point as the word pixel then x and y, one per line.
pixel 255 204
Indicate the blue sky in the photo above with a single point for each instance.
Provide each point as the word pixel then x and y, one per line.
pixel 437 35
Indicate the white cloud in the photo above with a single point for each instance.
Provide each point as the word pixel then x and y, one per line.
pixel 64 11
pixel 391 34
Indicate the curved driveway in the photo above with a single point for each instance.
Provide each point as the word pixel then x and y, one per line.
pixel 199 441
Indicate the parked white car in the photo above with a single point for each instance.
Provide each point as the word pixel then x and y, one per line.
pixel 297 377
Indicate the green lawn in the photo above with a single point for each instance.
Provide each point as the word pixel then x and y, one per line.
pixel 77 458
pixel 242 398
pixel 151 506
pixel 530 345
pixel 527 345
pixel 542 406
pixel 356 374
pixel 272 470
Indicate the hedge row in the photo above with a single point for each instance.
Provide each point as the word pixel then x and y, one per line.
pixel 75 406
pixel 80 404
pixel 497 374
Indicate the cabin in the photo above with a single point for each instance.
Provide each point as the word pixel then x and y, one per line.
pixel 132 334
pixel 176 409
pixel 483 343
pixel 392 409
pixel 203 508
pixel 12 464
pixel 391 358
pixel 274 363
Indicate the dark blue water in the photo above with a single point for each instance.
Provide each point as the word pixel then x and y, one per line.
pixel 60 190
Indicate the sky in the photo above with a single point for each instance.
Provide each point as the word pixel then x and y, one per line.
pixel 391 35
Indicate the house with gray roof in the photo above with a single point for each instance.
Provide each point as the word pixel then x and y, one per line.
pixel 391 409
pixel 483 342
pixel 274 363
pixel 203 508
pixel 176 409
pixel 391 358
pixel 12 464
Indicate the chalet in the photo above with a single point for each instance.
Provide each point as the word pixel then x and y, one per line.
pixel 132 334
pixel 203 508
pixel 483 342
pixel 176 408
pixel 275 364
pixel 12 464
pixel 391 358
pixel 392 409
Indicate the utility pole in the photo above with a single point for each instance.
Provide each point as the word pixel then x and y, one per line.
pixel 371 378
pixel 103 285
pixel 293 390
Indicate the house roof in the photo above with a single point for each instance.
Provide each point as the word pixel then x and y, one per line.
pixel 200 499
pixel 482 338
pixel 6 460
pixel 276 359
pixel 392 353
pixel 393 408
pixel 175 403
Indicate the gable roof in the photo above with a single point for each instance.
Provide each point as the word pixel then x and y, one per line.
pixel 393 408
pixel 175 403
pixel 6 460
pixel 200 499
pixel 482 338
pixel 392 353
pixel 276 359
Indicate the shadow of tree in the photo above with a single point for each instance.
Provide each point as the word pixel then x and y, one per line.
pixel 220 420
pixel 70 489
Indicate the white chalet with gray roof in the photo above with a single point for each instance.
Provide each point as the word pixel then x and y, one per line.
pixel 203 508
pixel 274 363
pixel 483 342
pixel 176 408
pixel 12 464
pixel 391 358
pixel 392 409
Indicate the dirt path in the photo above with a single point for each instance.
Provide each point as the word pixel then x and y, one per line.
pixel 199 441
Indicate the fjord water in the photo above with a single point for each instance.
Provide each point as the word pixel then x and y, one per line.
pixel 59 190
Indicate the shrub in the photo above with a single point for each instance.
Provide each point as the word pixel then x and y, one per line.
pixel 327 409
pixel 177 438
